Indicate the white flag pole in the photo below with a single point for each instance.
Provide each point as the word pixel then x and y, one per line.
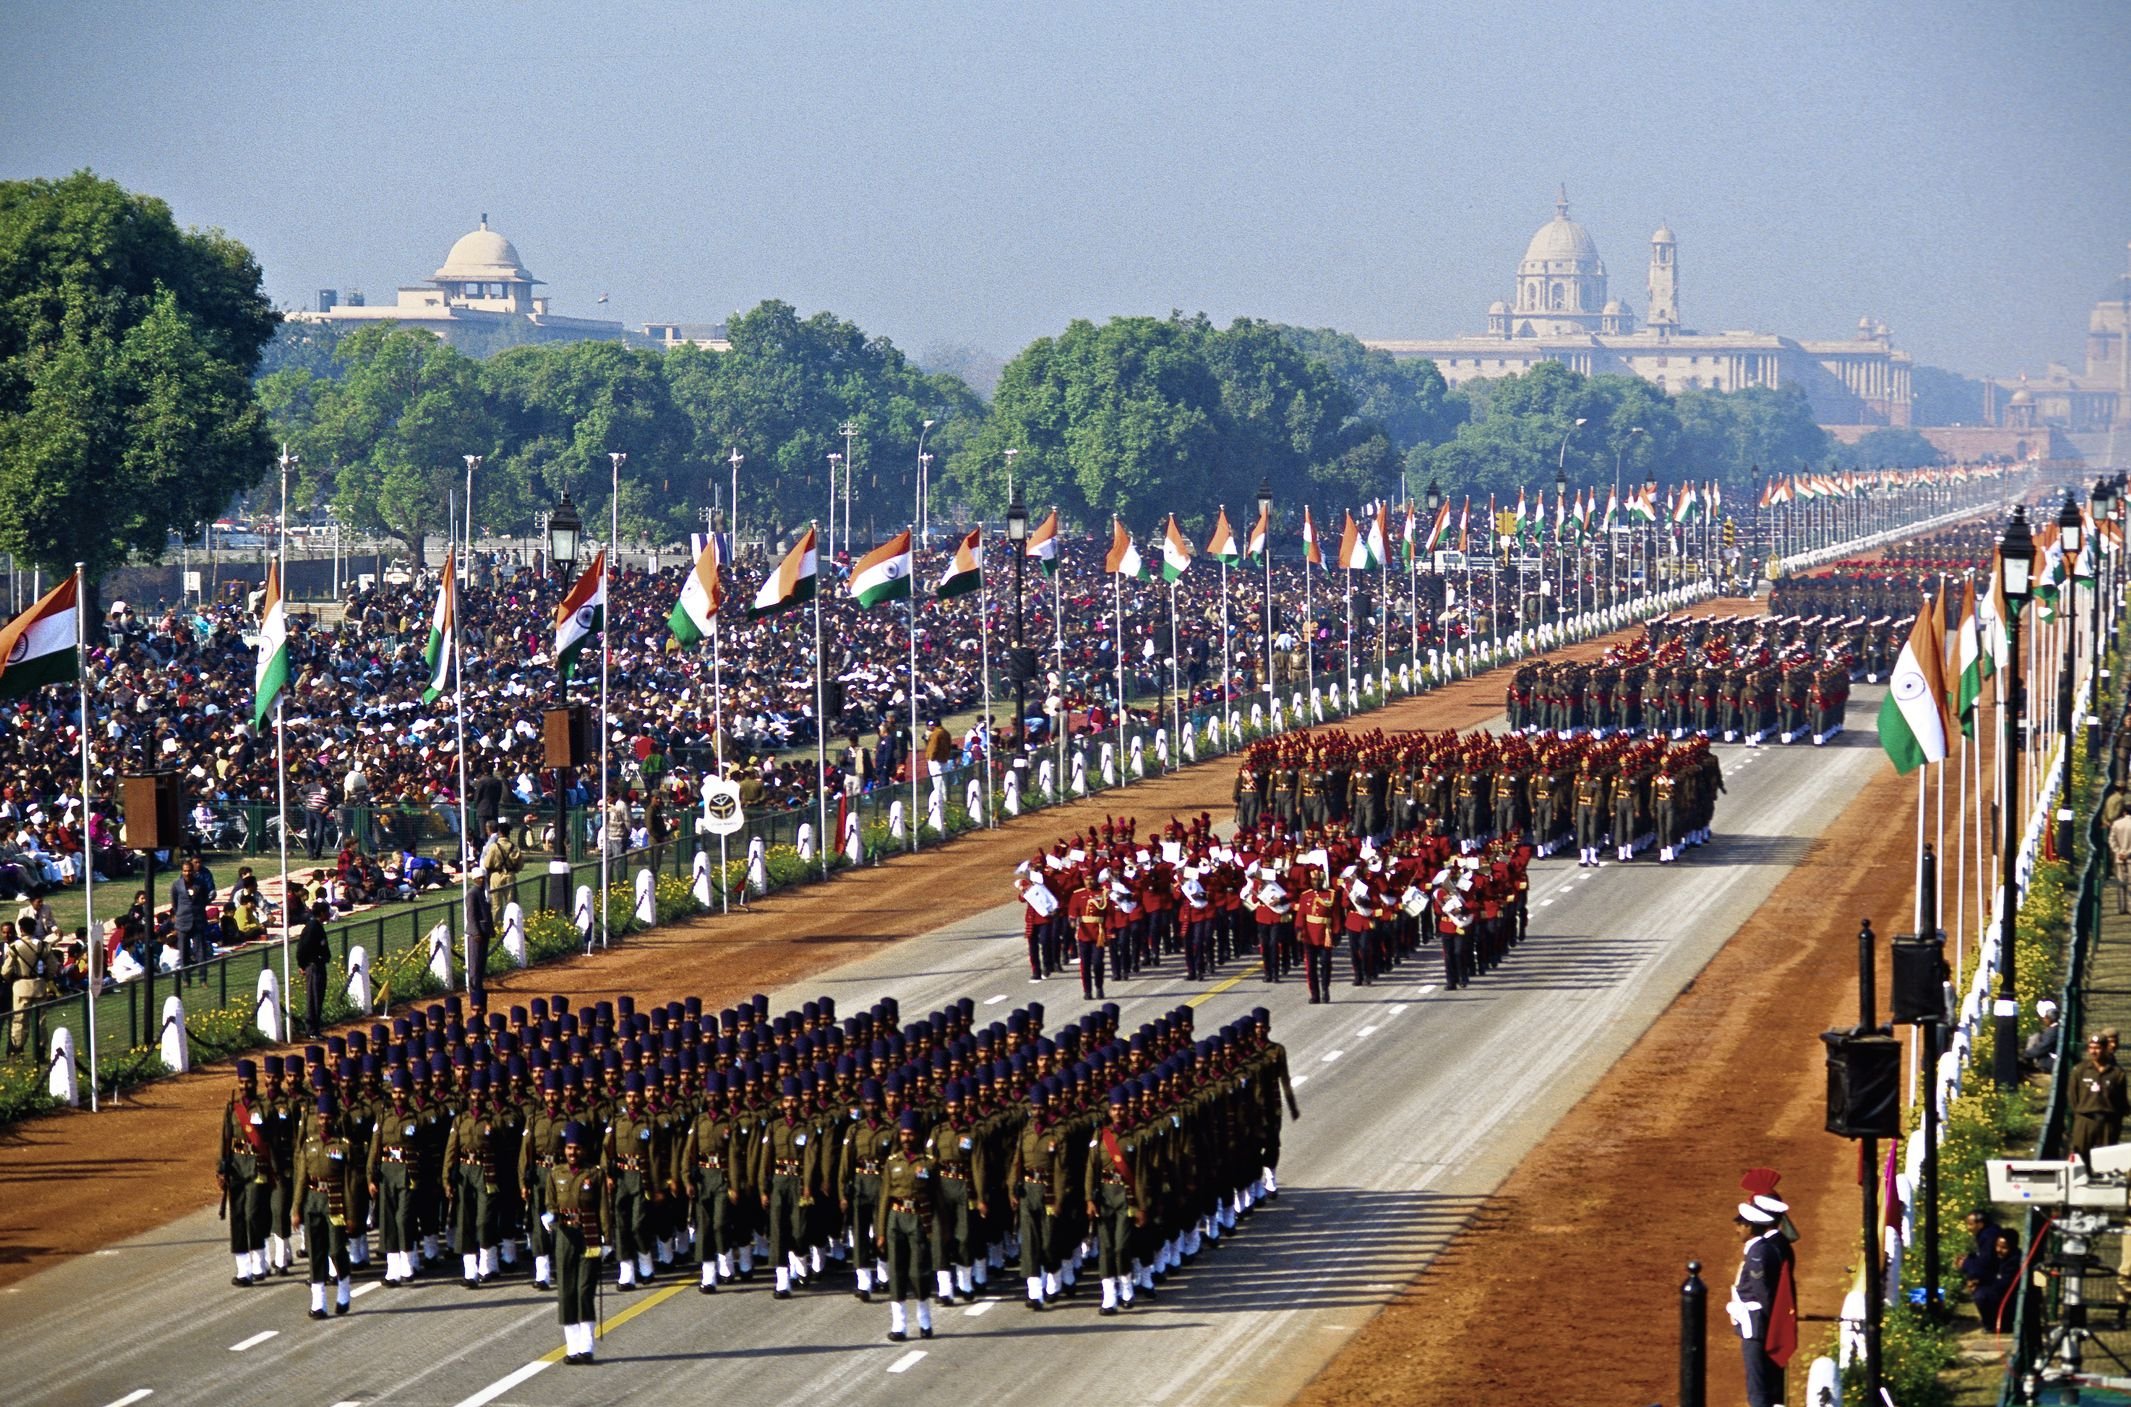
pixel 984 657
pixel 458 713
pixel 281 740
pixel 95 954
pixel 606 654
pixel 821 740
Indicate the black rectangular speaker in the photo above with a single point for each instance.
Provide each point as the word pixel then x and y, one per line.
pixel 1919 978
pixel 152 811
pixel 1864 1085
pixel 569 736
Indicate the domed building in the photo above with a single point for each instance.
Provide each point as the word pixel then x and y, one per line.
pixel 2093 405
pixel 1563 312
pixel 481 298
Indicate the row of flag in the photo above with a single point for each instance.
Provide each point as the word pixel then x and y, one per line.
pixel 1848 483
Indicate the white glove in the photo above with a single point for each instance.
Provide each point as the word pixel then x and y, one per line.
pixel 1742 1316
pixel 547 1220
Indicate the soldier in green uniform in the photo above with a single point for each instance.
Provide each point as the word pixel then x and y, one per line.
pixel 959 1159
pixel 634 1161
pixel 539 1152
pixel 247 1172
pixel 470 1168
pixel 580 1218
pixel 903 1217
pixel 1665 803
pixel 283 1102
pixel 324 1175
pixel 863 1152
pixel 1115 1189
pixel 1036 1186
pixel 707 1159
pixel 785 1160
pixel 394 1163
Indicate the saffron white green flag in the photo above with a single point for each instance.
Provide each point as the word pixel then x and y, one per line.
pixel 443 634
pixel 37 647
pixel 1123 558
pixel 1912 718
pixel 583 611
pixel 695 615
pixel 884 573
pixel 1968 662
pixel 1176 553
pixel 271 675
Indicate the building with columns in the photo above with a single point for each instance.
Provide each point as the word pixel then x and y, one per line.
pixel 2094 405
pixel 1562 312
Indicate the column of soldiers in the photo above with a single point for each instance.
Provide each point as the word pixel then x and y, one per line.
pixel 906 1160
pixel 1742 680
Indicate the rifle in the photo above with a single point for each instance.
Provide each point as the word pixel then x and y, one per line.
pixel 222 1209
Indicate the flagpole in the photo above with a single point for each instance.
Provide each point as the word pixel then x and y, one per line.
pixel 1309 623
pixel 281 745
pixel 1176 698
pixel 913 703
pixel 95 953
pixel 984 667
pixel 1065 709
pixel 606 653
pixel 717 743
pixel 821 740
pixel 1117 609
pixel 458 708
pixel 1227 662
pixel 1271 698
pixel 1383 608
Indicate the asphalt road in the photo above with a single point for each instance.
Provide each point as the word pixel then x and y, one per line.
pixel 1416 1103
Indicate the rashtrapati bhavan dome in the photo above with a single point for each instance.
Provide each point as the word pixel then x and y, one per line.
pixel 1562 312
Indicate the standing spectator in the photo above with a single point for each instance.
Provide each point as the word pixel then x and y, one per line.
pixel 317 800
pixel 29 966
pixel 2098 1099
pixel 313 951
pixel 355 804
pixel 2120 852
pixel 190 894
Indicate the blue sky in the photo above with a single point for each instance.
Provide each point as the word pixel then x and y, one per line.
pixel 979 174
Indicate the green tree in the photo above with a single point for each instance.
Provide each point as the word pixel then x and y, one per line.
pixel 1888 449
pixel 1406 398
pixel 126 349
pixel 1524 430
pixel 385 442
pixel 1731 434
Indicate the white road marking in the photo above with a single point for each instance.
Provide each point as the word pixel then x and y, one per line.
pixel 113 1253
pixel 907 1361
pixel 504 1384
pixel 1401 1006
pixel 1366 1031
pixel 254 1341
pixel 365 1288
pixel 980 1307
pixel 1544 902
pixel 348 1404
pixel 134 1396
pixel 1424 992
pixel 994 1001
pixel 1332 1055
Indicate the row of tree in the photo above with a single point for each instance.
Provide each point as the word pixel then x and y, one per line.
pixel 143 384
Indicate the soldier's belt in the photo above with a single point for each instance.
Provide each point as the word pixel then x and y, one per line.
pixel 902 1204
pixel 314 1184
pixel 789 1166
pixel 715 1163
pixel 546 1160
pixel 473 1162
pixel 1036 1180
pixel 1113 1180
pixel 395 1155
pixel 954 1170
pixel 629 1164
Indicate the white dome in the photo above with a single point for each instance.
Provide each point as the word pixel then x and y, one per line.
pixel 1613 307
pixel 1663 235
pixel 1498 306
pixel 1562 240
pixel 483 256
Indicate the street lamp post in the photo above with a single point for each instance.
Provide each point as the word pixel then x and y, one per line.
pixel 2016 555
pixel 2070 532
pixel 565 529
pixel 1017 533
pixel 835 460
pixel 732 508
pixel 1434 499
pixel 1561 517
pixel 924 476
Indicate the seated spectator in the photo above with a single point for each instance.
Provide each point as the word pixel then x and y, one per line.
pixel 1988 1278
pixel 246 924
pixel 2040 1052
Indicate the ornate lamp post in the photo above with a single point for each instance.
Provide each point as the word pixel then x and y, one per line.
pixel 565 532
pixel 2016 555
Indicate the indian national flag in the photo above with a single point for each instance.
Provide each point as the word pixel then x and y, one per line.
pixel 1612 509
pixel 1123 559
pixel 1642 506
pixel 1043 544
pixel 1353 547
pixel 1379 551
pixel 1991 615
pixel 792 582
pixel 966 572
pixel 1261 535
pixel 1222 545
pixel 1683 507
pixel 1176 553
pixel 583 611
pixel 271 674
pixel 1312 555
pixel 1968 662
pixel 443 632
pixel 1439 530
pixel 1465 524
pixel 39 646
pixel 695 615
pixel 1409 535
pixel 1912 718
pixel 1518 513
pixel 884 573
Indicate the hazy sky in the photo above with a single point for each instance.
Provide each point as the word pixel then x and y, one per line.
pixel 979 174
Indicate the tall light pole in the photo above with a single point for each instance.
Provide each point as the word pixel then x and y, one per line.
pixel 732 509
pixel 2016 556
pixel 1017 535
pixel 1265 515
pixel 1619 451
pixel 849 430
pixel 2070 532
pixel 924 497
pixel 1561 517
pixel 835 459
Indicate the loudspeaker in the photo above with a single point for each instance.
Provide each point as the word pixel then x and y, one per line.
pixel 569 735
pixel 1919 978
pixel 832 699
pixel 1021 667
pixel 152 811
pixel 1864 1085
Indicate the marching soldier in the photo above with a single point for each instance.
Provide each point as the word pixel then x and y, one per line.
pixel 959 1168
pixel 470 1165
pixel 903 1216
pixel 247 1171
pixel 581 1221
pixel 1036 1187
pixel 1116 1191
pixel 862 1154
pixel 786 1163
pixel 324 1172
pixel 634 1161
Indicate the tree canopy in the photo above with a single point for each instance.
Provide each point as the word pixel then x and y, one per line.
pixel 126 351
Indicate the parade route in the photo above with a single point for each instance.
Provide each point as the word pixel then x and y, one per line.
pixel 1416 1104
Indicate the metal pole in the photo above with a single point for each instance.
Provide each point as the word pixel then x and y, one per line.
pixel 1929 1030
pixel 2005 1011
pixel 1694 1339
pixel 1867 1021
pixel 95 955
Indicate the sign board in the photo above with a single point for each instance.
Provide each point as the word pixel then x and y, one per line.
pixel 721 807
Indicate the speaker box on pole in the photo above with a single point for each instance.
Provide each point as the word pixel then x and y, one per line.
pixel 152 812
pixel 567 734
pixel 1919 978
pixel 1864 1085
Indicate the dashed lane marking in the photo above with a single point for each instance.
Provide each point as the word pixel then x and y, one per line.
pixel 1332 1055
pixel 980 1307
pixel 994 1001
pixel 907 1361
pixel 134 1396
pixel 365 1288
pixel 255 1340
pixel 1366 1031
pixel 1299 1081
pixel 508 1381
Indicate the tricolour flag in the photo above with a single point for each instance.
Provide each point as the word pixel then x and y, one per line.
pixel 1465 524
pixel 1222 545
pixel 39 646
pixel 1043 544
pixel 1176 553
pixel 1683 507
pixel 884 573
pixel 1912 718
pixel 1373 540
pixel 271 675
pixel 1261 536
pixel 1968 662
pixel 1439 530
pixel 1642 505
pixel 966 572
pixel 1123 558
pixel 1312 555
pixel 443 633
pixel 1518 514
pixel 1353 551
pixel 1612 509
pixel 1409 536
pixel 583 611
pixel 695 615
pixel 792 582
pixel 1991 615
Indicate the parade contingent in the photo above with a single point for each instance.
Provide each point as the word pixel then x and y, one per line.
pixel 908 1161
